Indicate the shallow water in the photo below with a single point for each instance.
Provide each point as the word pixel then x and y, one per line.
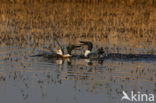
pixel 26 79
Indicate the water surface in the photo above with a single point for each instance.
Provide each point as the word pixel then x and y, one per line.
pixel 26 79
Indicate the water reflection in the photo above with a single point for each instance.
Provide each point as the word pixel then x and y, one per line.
pixel 63 79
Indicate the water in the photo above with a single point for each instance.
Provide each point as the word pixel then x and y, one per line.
pixel 26 79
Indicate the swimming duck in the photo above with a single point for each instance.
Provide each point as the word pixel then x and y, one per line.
pixel 59 53
pixel 88 53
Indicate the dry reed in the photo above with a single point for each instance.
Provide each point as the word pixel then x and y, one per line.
pixel 37 21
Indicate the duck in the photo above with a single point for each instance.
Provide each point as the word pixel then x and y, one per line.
pixel 59 53
pixel 89 53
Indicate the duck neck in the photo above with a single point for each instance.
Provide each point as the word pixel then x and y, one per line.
pixel 87 52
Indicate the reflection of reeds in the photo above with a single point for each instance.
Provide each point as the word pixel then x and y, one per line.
pixel 37 21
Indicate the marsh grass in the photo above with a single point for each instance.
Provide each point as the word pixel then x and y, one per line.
pixel 129 22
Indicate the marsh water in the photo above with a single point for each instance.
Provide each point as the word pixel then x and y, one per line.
pixel 26 79
pixel 120 26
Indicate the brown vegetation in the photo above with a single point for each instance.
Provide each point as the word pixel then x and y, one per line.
pixel 116 22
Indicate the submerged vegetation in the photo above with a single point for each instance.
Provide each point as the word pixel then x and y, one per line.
pixel 113 22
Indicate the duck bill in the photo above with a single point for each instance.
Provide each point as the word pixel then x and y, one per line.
pixel 82 44
pixel 77 47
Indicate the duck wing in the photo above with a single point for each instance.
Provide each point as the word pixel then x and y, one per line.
pixel 61 47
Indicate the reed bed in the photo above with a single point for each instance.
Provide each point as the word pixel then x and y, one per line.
pixel 113 22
